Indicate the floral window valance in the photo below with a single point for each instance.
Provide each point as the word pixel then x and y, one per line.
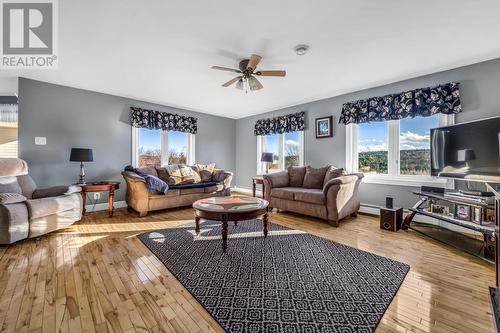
pixel 151 119
pixel 422 102
pixel 282 124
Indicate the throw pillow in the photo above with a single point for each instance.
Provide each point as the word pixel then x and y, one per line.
pixel 332 173
pixel 187 174
pixel 296 175
pixel 174 174
pixel 155 185
pixel 314 177
pixel 9 198
pixel 196 175
pixel 205 171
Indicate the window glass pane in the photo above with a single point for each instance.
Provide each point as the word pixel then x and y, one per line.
pixel 270 144
pixel 149 147
pixel 292 149
pixel 178 143
pixel 372 148
pixel 414 144
pixel 8 130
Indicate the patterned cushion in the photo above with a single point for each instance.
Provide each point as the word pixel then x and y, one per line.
pixel 332 173
pixel 8 198
pixel 196 176
pixel 296 175
pixel 314 177
pixel 187 174
pixel 205 171
pixel 172 175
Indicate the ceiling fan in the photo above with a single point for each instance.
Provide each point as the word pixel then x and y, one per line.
pixel 248 72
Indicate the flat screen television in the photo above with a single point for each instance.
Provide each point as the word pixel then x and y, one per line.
pixel 470 151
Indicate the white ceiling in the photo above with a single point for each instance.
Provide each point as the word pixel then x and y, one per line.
pixel 161 50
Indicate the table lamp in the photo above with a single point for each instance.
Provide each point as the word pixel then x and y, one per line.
pixel 81 155
pixel 267 158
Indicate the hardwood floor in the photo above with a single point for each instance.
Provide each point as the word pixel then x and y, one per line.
pixel 97 276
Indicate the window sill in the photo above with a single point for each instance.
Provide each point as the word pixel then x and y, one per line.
pixel 408 181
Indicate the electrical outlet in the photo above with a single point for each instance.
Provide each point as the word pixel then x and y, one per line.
pixel 97 196
pixel 40 140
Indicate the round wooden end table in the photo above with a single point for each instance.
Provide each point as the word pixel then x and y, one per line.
pixel 100 187
pixel 225 209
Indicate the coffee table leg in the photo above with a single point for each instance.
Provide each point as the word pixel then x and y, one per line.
pixel 235 223
pixel 264 221
pixel 224 236
pixel 197 227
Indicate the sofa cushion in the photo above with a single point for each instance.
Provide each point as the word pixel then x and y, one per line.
pixel 172 174
pixel 314 178
pixel 309 195
pixel 215 188
pixel 332 173
pixel 27 184
pixel 9 184
pixel 196 176
pixel 192 190
pixel 52 205
pixel 148 170
pixel 170 193
pixel 284 192
pixel 296 175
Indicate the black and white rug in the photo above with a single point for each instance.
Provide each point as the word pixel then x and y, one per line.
pixel 290 281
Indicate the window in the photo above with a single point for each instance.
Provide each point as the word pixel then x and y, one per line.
pixel 156 147
pixel 287 149
pixel 395 151
pixel 8 130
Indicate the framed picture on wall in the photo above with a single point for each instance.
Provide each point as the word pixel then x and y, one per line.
pixel 324 127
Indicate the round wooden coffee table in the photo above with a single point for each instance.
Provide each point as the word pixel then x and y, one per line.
pixel 226 209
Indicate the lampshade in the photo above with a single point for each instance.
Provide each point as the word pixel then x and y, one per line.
pixel 267 157
pixel 81 155
pixel 465 155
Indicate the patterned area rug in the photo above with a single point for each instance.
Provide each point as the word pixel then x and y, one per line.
pixel 290 281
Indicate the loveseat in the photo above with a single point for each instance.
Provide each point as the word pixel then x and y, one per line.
pixel 202 182
pixel 27 211
pixel 327 193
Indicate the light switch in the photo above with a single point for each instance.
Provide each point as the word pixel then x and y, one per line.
pixel 40 140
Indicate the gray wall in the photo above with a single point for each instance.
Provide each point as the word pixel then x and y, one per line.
pixel 480 95
pixel 70 117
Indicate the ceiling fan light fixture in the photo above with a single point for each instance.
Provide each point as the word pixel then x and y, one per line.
pixel 239 84
pixel 301 49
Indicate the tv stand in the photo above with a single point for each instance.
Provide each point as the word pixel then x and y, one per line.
pixel 484 249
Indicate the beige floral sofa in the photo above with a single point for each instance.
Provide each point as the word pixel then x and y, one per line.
pixel 186 185
pixel 328 193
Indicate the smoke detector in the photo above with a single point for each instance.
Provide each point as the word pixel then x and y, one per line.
pixel 301 49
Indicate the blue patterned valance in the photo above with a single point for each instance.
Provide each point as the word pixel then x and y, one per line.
pixel 151 119
pixel 422 102
pixel 282 124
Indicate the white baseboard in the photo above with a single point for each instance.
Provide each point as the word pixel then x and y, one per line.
pixel 104 206
pixel 245 190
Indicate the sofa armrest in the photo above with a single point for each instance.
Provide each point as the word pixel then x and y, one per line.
pixel 223 176
pixel 274 180
pixel 11 198
pixel 342 197
pixel 137 195
pixel 56 191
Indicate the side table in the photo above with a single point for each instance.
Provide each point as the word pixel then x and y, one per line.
pixel 100 187
pixel 255 181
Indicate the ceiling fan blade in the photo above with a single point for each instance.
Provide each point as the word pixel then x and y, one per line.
pixel 254 83
pixel 254 61
pixel 230 82
pixel 271 73
pixel 226 69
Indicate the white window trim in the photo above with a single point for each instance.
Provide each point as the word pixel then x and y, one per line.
pixel 164 144
pixel 393 178
pixel 260 139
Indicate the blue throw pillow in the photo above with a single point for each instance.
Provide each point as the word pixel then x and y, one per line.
pixel 155 185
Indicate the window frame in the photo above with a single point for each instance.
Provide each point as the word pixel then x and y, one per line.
pixel 190 158
pixel 281 153
pixel 393 176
